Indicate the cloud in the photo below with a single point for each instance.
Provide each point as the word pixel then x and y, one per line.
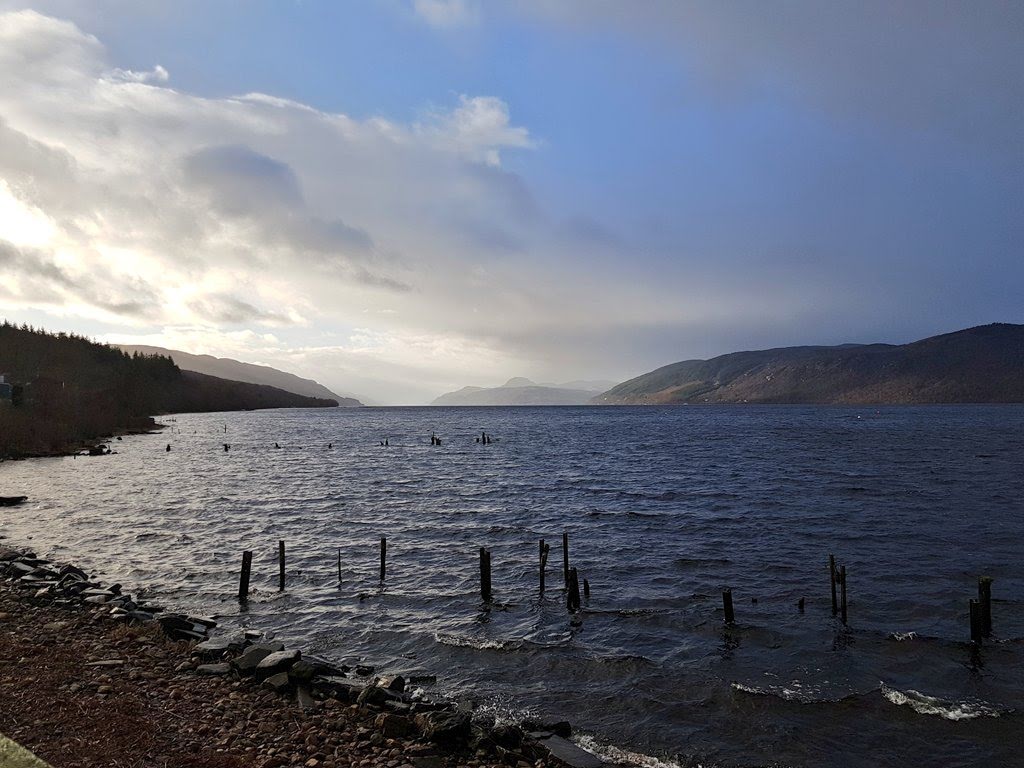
pixel 240 181
pixel 156 75
pixel 478 127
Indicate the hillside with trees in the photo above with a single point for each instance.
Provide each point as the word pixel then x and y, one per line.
pixel 66 390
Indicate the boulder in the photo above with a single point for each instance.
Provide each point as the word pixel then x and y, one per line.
pixel 178 627
pixel 394 726
pixel 339 688
pixel 374 696
pixel 444 727
pixel 507 736
pixel 557 727
pixel 250 658
pixel 302 672
pixel 278 682
pixel 216 647
pixel 392 683
pixel 274 663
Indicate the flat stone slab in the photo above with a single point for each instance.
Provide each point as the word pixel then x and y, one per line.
pixel 569 754
pixel 279 661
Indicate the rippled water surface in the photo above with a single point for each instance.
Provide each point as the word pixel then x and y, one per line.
pixel 664 507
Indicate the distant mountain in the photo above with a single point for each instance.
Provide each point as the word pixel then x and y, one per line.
pixel 977 365
pixel 520 391
pixel 226 368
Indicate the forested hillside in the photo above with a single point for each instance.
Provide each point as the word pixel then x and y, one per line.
pixel 66 389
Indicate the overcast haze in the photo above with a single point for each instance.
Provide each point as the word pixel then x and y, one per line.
pixel 402 198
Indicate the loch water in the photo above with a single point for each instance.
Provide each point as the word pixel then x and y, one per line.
pixel 664 507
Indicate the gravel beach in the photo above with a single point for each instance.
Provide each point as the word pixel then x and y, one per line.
pixel 82 687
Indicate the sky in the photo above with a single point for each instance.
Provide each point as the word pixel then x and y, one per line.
pixel 402 197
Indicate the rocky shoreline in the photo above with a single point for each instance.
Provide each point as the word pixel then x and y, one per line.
pixel 90 676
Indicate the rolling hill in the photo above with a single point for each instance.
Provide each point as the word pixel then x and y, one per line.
pixel 235 370
pixel 984 364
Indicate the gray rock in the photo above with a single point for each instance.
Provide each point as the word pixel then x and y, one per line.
pixel 394 726
pixel 557 727
pixel 339 688
pixel 216 647
pixel 302 672
pixel 442 727
pixel 278 682
pixel 221 668
pixel 507 736
pixel 279 661
pixel 304 698
pixel 178 627
pixel 247 662
pixel 569 754
pixel 392 683
pixel 373 696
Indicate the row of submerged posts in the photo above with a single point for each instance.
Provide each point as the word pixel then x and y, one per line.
pixel 980 610
pixel 484 439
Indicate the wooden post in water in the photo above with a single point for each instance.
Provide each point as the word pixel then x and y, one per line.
pixel 586 589
pixel 485 575
pixel 832 579
pixel 730 617
pixel 985 602
pixel 243 582
pixel 572 592
pixel 543 562
pixel 280 566
pixel 383 558
pixel 339 566
pixel 565 559
pixel 842 584
pixel 975 612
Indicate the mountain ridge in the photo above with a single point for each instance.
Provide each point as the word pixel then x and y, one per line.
pixel 519 391
pixel 251 373
pixel 983 364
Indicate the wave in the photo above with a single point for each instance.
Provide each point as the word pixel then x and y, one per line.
pixel 793 692
pixel 462 641
pixel 932 705
pixel 619 756
pixel 902 637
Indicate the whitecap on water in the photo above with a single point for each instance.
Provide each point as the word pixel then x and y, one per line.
pixel 461 641
pixel 932 705
pixel 798 692
pixel 619 756
pixel 901 637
